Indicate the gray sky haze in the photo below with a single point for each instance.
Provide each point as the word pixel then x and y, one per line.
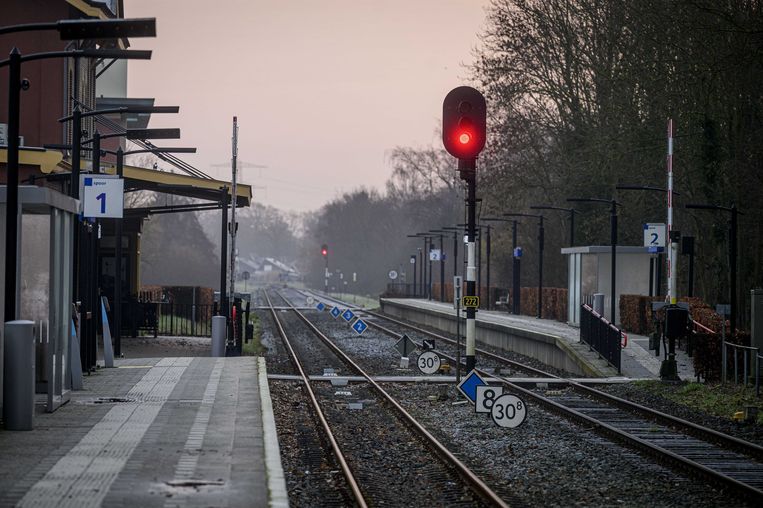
pixel 323 90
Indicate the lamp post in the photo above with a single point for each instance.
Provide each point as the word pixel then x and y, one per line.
pixel 733 229
pixel 428 240
pixel 442 263
pixel 120 155
pixel 572 213
pixel 455 231
pixel 613 242
pixel 421 262
pixel 515 261
pixel 15 85
pixel 86 284
pixel 672 292
pixel 413 262
pixel 541 241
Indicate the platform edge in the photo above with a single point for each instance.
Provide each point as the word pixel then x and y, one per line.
pixel 277 493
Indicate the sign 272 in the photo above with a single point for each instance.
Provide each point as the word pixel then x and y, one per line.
pixel 470 301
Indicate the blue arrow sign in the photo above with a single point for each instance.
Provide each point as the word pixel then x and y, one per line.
pixel 335 312
pixel 359 326
pixel 348 315
pixel 468 385
pixel 320 306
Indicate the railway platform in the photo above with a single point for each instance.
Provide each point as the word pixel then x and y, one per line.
pixel 152 432
pixel 545 339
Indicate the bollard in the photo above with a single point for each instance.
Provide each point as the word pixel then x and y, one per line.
pixel 598 303
pixel 18 385
pixel 219 332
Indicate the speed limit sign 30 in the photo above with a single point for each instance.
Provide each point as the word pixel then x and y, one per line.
pixel 428 362
pixel 508 411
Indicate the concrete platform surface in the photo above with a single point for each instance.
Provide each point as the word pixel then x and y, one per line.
pixel 637 361
pixel 152 432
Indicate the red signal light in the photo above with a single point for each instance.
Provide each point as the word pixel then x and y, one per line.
pixel 324 250
pixel 464 122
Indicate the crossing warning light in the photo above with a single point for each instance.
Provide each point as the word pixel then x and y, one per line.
pixel 464 122
pixel 324 250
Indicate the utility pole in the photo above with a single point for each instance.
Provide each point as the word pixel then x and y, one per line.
pixel 233 227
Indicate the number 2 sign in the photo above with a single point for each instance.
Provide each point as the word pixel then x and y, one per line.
pixel 654 235
pixel 102 196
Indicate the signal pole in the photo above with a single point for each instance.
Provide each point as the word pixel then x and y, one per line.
pixel 325 254
pixel 464 119
pixel 468 169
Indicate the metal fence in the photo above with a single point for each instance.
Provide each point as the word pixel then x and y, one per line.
pixel 167 318
pixel 184 319
pixel 751 359
pixel 601 336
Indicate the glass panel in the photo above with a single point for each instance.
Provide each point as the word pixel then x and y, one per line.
pixel 35 267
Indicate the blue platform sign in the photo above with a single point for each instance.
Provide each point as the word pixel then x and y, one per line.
pixel 335 312
pixel 320 306
pixel 468 386
pixel 359 326
pixel 348 315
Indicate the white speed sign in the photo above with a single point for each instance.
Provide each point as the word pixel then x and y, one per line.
pixel 428 362
pixel 508 411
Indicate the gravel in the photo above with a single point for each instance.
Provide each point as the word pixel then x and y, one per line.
pixel 634 393
pixel 547 461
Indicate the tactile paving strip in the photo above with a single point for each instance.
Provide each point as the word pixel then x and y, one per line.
pixel 83 476
pixel 186 466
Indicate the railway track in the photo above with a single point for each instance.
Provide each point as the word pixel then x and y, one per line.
pixel 725 461
pixel 385 428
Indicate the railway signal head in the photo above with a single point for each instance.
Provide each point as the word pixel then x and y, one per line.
pixel 464 122
pixel 324 250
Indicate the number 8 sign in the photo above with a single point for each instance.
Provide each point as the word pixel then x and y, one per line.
pixel 508 411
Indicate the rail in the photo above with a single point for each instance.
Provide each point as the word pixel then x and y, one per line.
pixel 463 470
pixel 601 336
pixel 746 491
pixel 337 451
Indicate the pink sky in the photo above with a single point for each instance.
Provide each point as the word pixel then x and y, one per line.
pixel 323 90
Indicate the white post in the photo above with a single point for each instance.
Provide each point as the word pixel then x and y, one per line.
pixel 672 258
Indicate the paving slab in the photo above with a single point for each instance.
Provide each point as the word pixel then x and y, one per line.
pixel 151 432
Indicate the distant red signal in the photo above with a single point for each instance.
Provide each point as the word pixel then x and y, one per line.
pixel 324 250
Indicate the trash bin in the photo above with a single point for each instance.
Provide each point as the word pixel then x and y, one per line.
pixel 18 374
pixel 598 303
pixel 219 332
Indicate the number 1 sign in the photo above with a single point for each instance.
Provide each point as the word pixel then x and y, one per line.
pixel 102 196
